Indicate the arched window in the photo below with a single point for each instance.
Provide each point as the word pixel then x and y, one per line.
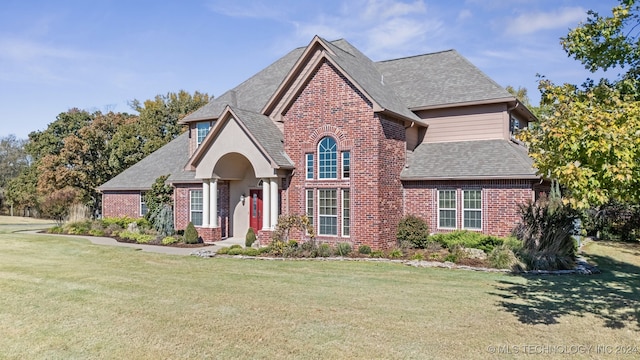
pixel 327 158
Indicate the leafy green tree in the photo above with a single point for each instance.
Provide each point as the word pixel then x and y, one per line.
pixel 51 140
pixel 13 158
pixel 160 194
pixel 20 191
pixel 590 142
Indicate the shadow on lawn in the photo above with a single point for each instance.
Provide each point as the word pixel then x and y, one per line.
pixel 613 295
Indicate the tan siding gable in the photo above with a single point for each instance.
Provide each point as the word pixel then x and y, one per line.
pixel 481 122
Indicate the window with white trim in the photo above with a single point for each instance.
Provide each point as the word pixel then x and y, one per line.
pixel 346 164
pixel 346 213
pixel 327 212
pixel 472 209
pixel 309 161
pixel 202 129
pixel 447 209
pixel 143 205
pixel 309 202
pixel 195 204
pixel 327 158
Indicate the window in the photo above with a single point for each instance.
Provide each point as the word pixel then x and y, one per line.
pixel 327 212
pixel 327 159
pixel 202 129
pixel 309 160
pixel 472 209
pixel 447 209
pixel 346 213
pixel 310 206
pixel 196 207
pixel 143 205
pixel 346 164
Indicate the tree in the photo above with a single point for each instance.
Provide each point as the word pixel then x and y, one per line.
pixel 56 204
pixel 160 194
pixel 590 141
pixel 13 158
pixel 20 192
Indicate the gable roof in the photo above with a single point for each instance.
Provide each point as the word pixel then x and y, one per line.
pixel 354 65
pixel 482 159
pixel 259 128
pixel 441 78
pixel 168 160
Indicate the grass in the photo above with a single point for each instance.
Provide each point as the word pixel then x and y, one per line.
pixel 65 298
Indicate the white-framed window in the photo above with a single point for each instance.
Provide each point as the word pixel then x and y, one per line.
pixel 472 209
pixel 309 202
pixel 346 164
pixel 328 212
pixel 195 205
pixel 447 209
pixel 327 158
pixel 143 205
pixel 309 166
pixel 202 129
pixel 346 213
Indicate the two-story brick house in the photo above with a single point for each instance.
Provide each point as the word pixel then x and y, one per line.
pixel 352 143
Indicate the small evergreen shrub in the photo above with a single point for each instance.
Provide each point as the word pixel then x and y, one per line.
pixel 191 234
pixel 235 246
pixel 235 251
pixel 364 249
pixel 223 251
pixel 250 238
pixel 343 249
pixel 468 239
pixel 413 230
pixel 96 232
pixel 162 220
pixel 55 230
pixel 250 252
pixel 417 256
pixel 169 240
pixel 292 244
pixel 435 257
pixel 263 250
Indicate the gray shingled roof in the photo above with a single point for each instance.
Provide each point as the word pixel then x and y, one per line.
pixel 253 93
pixel 168 160
pixel 267 134
pixel 364 72
pixel 438 79
pixel 468 160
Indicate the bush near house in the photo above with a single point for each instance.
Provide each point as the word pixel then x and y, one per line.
pixel 191 234
pixel 412 232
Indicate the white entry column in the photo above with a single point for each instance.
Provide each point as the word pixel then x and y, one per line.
pixel 213 215
pixel 266 204
pixel 274 202
pixel 205 202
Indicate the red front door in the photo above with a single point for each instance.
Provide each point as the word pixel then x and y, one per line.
pixel 255 209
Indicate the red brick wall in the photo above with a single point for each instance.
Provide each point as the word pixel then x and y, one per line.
pixel 182 198
pixel 500 199
pixel 330 105
pixel 121 203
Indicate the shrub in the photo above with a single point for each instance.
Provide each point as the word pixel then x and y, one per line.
pixel 545 231
pixel 343 249
pixel 223 251
pixel 235 246
pixel 502 257
pixel 417 256
pixel 144 239
pixel 413 230
pixel 162 220
pixel 324 250
pixel 55 230
pixel 96 232
pixel 364 249
pixel 292 244
pixel 395 253
pixel 456 254
pixel 169 240
pixel 250 252
pixel 263 250
pixel 191 234
pixel 435 257
pixel 468 239
pixel 235 251
pixel 78 227
pixel 123 221
pixel 377 254
pixel 250 238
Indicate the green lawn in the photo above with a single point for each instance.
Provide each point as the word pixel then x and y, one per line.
pixel 64 298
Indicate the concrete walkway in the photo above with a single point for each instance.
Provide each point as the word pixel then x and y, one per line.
pixel 168 250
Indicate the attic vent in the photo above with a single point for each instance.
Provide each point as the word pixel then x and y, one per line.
pixel 382 79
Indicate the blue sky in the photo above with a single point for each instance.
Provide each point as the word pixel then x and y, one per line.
pixel 101 54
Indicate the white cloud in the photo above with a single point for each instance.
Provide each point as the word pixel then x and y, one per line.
pixel 464 14
pixel 535 21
